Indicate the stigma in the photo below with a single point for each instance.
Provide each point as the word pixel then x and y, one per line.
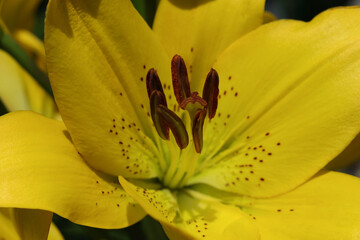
pixel 198 107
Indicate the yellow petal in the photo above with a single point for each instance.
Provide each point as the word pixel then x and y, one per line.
pixel 268 17
pixel 27 222
pixel 19 91
pixel 32 224
pixel 200 30
pixel 289 104
pixel 7 228
pixel 326 207
pixel 41 169
pixel 33 46
pixel 18 14
pixel 12 91
pixel 98 55
pixel 54 233
pixel 350 155
pixel 185 217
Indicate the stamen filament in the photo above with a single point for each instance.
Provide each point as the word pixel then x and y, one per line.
pixel 172 170
pixel 185 166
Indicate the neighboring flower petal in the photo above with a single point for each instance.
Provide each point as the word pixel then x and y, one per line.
pixel 98 55
pixel 326 207
pixel 19 91
pixel 289 104
pixel 33 46
pixel 54 233
pixel 185 217
pixel 268 17
pixel 12 91
pixel 18 14
pixel 32 224
pixel 200 30
pixel 350 155
pixel 43 170
pixel 7 228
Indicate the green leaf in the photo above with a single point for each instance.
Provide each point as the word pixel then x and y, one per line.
pixel 3 109
pixel 152 229
pixel 146 8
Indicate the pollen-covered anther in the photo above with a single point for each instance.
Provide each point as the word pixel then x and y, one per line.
pixel 153 83
pixel 180 79
pixel 211 92
pixel 197 130
pixel 156 99
pixel 175 124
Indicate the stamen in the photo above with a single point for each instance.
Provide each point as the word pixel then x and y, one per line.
pixel 175 124
pixel 164 119
pixel 158 99
pixel 197 130
pixel 180 79
pixel 211 92
pixel 153 83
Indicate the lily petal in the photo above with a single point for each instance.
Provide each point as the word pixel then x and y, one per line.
pixel 18 14
pixel 7 228
pixel 186 217
pixel 54 233
pixel 268 17
pixel 41 169
pixel 333 210
pixel 32 224
pixel 19 91
pixel 200 30
pixel 296 90
pixel 350 155
pixel 33 46
pixel 98 55
pixel 12 91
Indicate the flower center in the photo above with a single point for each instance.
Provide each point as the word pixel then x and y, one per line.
pixel 165 120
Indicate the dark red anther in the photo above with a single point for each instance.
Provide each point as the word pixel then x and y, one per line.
pixel 175 124
pixel 211 92
pixel 197 129
pixel 180 79
pixel 153 83
pixel 158 99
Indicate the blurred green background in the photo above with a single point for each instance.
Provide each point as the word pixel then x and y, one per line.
pixel 149 229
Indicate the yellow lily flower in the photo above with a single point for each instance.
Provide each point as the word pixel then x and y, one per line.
pixel 287 105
